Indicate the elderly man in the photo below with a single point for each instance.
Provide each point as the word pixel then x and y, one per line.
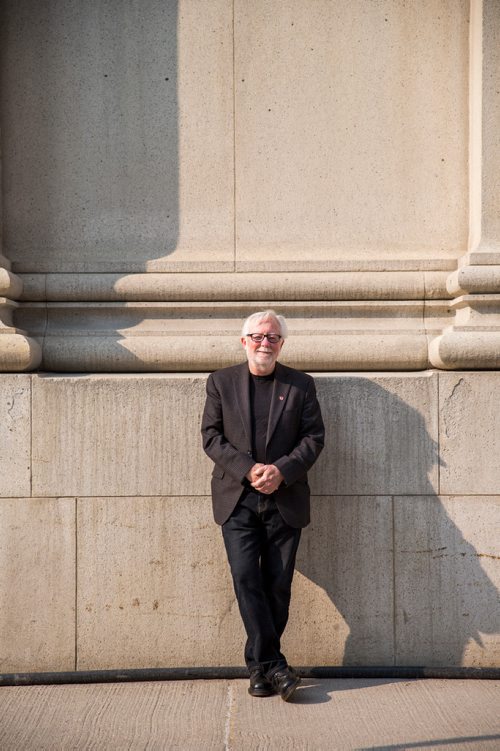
pixel 262 427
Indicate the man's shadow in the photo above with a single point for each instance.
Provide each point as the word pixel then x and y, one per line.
pixel 390 576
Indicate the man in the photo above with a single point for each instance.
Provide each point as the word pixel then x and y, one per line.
pixel 262 427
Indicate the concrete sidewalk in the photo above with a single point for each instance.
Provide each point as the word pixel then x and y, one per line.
pixel 219 714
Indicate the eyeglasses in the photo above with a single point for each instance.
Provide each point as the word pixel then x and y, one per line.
pixel 271 338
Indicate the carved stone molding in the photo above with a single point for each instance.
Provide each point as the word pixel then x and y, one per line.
pixel 218 287
pixel 200 336
pixel 473 340
pixel 18 352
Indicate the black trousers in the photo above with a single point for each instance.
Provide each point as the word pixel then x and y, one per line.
pixel 261 549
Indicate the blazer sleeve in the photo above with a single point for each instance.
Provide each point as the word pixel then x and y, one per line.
pixel 310 441
pixel 215 444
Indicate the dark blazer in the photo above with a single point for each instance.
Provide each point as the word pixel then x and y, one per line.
pixel 295 438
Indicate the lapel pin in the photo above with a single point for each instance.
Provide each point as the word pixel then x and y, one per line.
pixel 281 397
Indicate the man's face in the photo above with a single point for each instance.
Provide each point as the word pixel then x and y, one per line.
pixel 262 355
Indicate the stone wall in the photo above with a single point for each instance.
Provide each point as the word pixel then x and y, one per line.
pixel 111 559
pixel 169 167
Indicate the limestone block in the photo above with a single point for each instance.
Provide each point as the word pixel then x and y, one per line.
pixel 342 600
pixel 381 437
pixel 469 433
pixel 446 580
pixel 139 435
pixel 15 435
pixel 316 175
pixel 37 584
pixel 118 148
pixel 154 588
pixel 118 435
pixel 154 571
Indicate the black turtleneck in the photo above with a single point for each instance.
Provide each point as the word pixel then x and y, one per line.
pixel 261 391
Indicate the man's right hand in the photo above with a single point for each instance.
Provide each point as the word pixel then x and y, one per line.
pixel 255 472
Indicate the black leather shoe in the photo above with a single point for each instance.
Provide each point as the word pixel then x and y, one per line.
pixel 284 682
pixel 259 685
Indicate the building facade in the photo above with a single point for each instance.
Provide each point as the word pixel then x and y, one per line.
pixel 170 167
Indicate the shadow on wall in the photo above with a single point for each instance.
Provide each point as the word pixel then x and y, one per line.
pixel 390 554
pixel 89 133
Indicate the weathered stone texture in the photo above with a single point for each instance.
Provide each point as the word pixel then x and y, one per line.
pixel 118 145
pixel 144 440
pixel 203 336
pixel 37 584
pixel 447 579
pixel 381 435
pixel 154 571
pixel 469 433
pixel 389 572
pixel 15 435
pixel 316 138
pixel 342 601
pixel 490 130
pixel 118 436
pixel 186 287
pixel 153 587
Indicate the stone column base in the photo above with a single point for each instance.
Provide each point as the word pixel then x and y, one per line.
pixel 18 352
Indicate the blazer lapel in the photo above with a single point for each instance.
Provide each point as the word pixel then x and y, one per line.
pixel 280 394
pixel 241 383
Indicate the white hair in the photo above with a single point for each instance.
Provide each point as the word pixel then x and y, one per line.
pixel 265 315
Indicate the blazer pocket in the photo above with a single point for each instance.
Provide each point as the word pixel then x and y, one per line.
pixel 218 472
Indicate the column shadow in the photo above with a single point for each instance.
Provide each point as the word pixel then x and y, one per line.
pixel 391 555
pixel 89 129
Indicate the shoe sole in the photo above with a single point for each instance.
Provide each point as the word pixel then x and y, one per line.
pixel 287 695
pixel 261 692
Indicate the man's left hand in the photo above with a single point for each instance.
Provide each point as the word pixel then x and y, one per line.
pixel 269 480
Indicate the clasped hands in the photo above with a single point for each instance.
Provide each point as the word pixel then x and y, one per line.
pixel 265 478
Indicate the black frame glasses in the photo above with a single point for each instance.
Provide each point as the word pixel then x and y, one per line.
pixel 271 338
